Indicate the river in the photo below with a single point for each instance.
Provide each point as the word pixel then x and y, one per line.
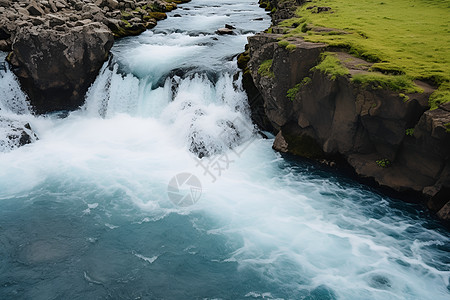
pixel 113 202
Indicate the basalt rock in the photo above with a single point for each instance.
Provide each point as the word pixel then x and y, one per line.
pixel 391 138
pixel 58 46
pixel 56 68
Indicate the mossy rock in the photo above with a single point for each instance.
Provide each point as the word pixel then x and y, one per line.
pixel 127 30
pixel 243 60
pixel 157 15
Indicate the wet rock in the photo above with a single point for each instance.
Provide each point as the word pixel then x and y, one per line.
pixel 325 117
pixel 62 66
pixel 14 134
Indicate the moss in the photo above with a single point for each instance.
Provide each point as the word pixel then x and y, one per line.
pixel 126 15
pixel 265 69
pixel 157 15
pixel 243 59
pixel 291 47
pixel 387 68
pixel 331 65
pixel 413 43
pixel 409 132
pixel 383 163
pixel 283 43
pixel 303 145
pixel 447 127
pixel 405 97
pixel 399 83
pixel 292 93
pixel 440 96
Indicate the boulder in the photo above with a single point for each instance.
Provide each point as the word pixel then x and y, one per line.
pixel 35 9
pixel 223 31
pixel 56 68
pixel 14 134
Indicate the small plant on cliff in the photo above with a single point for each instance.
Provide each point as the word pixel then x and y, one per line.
pixel 383 163
pixel 447 127
pixel 405 97
pixel 292 93
pixel 331 65
pixel 440 96
pixel 410 131
pixel 288 46
pixel 283 43
pixel 265 69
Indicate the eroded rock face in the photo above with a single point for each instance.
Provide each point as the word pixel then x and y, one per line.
pixel 56 68
pixel 391 138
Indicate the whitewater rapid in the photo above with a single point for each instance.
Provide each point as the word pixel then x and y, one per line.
pixel 85 210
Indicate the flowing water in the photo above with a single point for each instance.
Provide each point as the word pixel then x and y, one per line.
pixel 85 211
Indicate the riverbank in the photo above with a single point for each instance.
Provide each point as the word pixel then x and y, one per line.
pixel 326 100
pixel 58 47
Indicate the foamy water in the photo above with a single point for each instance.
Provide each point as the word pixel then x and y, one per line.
pixel 85 211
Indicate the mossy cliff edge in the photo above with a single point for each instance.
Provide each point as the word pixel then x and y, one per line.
pixel 324 93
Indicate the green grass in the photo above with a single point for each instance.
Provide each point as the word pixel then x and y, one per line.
pixel 441 96
pixel 265 69
pixel 288 46
pixel 399 83
pixel 402 37
pixel 331 65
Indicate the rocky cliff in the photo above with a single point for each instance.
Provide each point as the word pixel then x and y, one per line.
pixel 385 135
pixel 58 46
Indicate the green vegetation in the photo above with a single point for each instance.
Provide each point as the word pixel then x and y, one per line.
pixel 441 96
pixel 265 69
pixel 402 38
pixel 383 163
pixel 399 83
pixel 292 93
pixel 410 131
pixel 447 127
pixel 331 65
pixel 288 46
pixel 405 97
pixel 283 43
pixel 291 47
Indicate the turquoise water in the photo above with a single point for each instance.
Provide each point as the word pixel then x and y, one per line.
pixel 85 211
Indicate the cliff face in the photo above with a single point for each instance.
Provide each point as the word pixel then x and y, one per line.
pixel 390 137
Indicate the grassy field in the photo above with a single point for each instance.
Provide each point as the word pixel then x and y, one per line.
pixel 403 37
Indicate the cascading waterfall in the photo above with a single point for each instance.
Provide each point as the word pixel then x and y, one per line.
pixel 85 210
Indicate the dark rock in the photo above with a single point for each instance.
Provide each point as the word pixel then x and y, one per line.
pixel 34 9
pixel 367 126
pixel 62 65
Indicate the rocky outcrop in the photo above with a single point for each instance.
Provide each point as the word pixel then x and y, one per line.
pixel 384 135
pixel 56 68
pixel 14 134
pixel 58 46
